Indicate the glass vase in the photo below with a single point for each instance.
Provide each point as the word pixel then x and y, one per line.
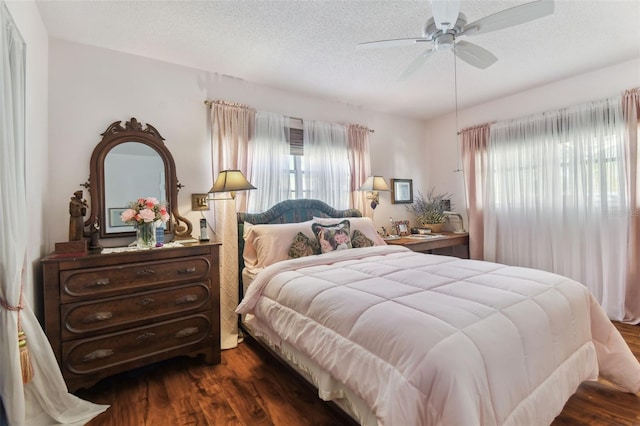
pixel 146 235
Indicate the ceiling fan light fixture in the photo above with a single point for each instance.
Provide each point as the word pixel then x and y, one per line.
pixel 444 42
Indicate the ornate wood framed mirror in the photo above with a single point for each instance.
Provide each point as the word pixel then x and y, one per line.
pixel 131 162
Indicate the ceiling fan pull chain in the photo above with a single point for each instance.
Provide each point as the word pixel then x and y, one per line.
pixel 455 90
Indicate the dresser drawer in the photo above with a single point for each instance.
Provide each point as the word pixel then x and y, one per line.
pixel 87 356
pixel 90 317
pixel 104 281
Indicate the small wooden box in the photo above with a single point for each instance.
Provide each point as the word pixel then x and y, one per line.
pixel 69 247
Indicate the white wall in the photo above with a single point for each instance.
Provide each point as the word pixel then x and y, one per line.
pixel 91 87
pixel 442 142
pixel 27 18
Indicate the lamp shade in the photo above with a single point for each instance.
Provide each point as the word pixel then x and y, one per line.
pixel 231 181
pixel 374 183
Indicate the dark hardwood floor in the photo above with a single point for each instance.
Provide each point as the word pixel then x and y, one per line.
pixel 250 388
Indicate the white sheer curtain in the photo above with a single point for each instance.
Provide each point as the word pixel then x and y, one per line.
pixel 326 163
pixel 557 197
pixel 269 153
pixel 44 400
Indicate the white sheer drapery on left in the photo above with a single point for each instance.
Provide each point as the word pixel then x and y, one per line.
pixel 557 197
pixel 45 399
pixel 269 153
pixel 326 163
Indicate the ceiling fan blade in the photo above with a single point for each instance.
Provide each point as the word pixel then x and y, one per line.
pixel 416 64
pixel 474 54
pixel 510 17
pixel 392 43
pixel 445 13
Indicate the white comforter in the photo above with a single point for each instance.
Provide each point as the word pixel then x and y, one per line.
pixel 435 340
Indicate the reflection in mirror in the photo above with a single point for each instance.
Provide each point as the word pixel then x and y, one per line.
pixel 131 170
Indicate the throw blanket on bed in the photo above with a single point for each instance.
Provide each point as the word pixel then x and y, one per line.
pixel 428 340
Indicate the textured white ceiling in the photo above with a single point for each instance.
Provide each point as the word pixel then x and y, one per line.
pixel 309 46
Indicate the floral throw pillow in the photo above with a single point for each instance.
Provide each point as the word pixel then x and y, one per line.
pixel 333 237
pixel 303 246
pixel 360 240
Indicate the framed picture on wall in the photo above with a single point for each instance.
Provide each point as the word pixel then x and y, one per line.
pixel 401 191
pixel 114 217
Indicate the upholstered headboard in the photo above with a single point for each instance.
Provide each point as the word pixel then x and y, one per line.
pixel 289 211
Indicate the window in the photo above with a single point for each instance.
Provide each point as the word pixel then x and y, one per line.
pixel 294 159
pixel 295 135
pixel 598 167
pixel 296 174
pixel 577 169
pixel 557 196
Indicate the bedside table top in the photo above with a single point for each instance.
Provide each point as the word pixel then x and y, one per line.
pixel 428 242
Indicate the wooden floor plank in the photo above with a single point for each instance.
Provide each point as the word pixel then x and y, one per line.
pixel 211 398
pixel 250 388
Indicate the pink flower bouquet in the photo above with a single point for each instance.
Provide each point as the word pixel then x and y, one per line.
pixel 145 210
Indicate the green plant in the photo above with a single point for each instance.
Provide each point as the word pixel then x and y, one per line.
pixel 430 208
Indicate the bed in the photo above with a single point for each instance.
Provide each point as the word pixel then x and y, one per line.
pixel 395 337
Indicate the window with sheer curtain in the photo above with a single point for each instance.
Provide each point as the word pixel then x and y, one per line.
pixel 269 152
pixel 310 160
pixel 326 163
pixel 557 197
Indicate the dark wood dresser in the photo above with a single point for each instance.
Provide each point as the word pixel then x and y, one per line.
pixel 108 313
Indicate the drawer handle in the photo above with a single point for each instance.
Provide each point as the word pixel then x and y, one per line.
pixel 144 337
pixel 146 272
pixel 145 301
pixel 99 283
pixel 189 298
pixel 190 270
pixel 98 354
pixel 185 332
pixel 98 316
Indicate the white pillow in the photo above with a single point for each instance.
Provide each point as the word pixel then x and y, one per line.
pixel 362 224
pixel 270 243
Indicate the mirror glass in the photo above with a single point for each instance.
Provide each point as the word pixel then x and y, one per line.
pixel 131 170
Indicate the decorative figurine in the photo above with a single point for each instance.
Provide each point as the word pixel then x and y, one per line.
pixel 94 230
pixel 77 210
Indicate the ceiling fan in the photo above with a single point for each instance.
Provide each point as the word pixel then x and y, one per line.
pixel 442 31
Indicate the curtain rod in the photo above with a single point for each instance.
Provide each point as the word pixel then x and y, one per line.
pixel 362 127
pixel 235 104
pixel 478 126
pixel 226 103
pixel 626 92
pixel 353 125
